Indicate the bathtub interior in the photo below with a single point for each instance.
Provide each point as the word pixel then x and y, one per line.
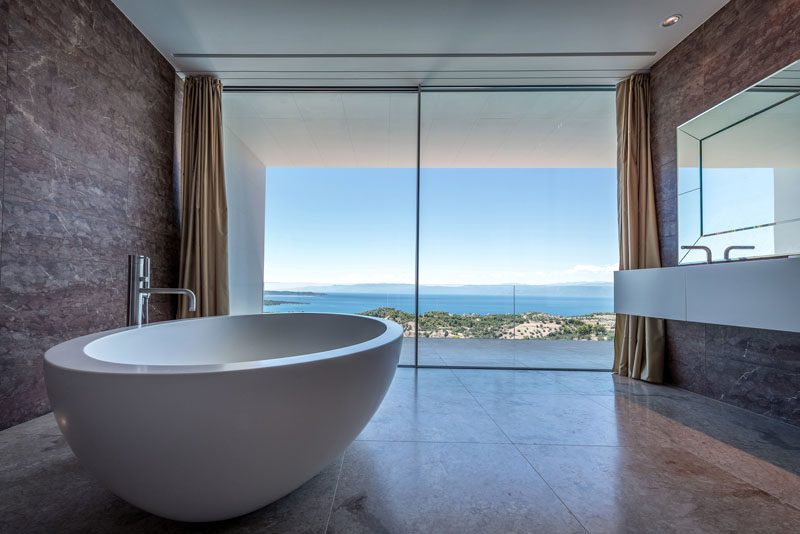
pixel 234 339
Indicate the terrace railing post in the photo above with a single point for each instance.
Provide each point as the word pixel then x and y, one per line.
pixel 416 254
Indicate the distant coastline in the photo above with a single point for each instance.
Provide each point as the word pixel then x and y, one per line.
pixel 578 289
pixel 530 325
pixel 296 293
pixel 507 315
pixel 564 301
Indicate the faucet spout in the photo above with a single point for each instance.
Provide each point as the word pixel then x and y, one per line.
pixel 139 291
pixel 170 291
pixel 736 247
pixel 698 247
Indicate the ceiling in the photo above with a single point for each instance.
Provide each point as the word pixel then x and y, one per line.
pixel 410 42
pixel 323 43
pixel 458 130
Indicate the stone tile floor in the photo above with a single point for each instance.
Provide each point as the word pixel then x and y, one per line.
pixel 480 451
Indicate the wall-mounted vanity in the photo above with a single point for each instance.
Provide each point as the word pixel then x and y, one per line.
pixel 738 216
pixel 756 294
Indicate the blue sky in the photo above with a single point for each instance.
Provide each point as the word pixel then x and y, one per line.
pixel 737 198
pixel 732 199
pixel 477 226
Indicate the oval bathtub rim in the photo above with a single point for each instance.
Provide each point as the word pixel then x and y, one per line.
pixel 71 356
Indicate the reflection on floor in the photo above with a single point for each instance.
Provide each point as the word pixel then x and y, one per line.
pixel 517 353
pixel 480 451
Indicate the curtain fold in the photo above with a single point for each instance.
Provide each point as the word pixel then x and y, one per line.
pixel 639 341
pixel 204 211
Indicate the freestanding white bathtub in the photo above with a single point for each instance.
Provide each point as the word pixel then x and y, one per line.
pixel 207 419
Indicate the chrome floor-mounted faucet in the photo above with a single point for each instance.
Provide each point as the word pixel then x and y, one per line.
pixel 139 291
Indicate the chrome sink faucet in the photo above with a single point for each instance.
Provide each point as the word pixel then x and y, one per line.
pixel 139 291
pixel 736 247
pixel 698 247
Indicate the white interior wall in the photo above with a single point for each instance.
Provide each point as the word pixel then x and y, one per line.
pixel 245 182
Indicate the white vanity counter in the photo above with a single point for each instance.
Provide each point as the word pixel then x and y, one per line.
pixel 757 294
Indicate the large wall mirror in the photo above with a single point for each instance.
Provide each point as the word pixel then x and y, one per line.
pixel 739 174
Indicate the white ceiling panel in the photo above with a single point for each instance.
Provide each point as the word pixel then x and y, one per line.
pixel 371 141
pixel 298 147
pixel 442 42
pixel 273 106
pixel 316 106
pixel 482 141
pixel 462 129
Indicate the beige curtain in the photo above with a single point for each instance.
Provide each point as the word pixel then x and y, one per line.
pixel 204 211
pixel 639 341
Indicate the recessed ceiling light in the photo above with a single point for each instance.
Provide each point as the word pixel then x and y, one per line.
pixel 669 21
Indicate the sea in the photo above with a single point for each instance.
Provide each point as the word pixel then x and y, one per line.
pixel 455 304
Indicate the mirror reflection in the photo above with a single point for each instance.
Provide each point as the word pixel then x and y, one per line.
pixel 739 175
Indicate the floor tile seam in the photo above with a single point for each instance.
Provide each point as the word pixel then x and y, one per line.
pixel 532 395
pixel 571 393
pixel 590 395
pixel 524 458
pixel 578 392
pixel 602 445
pixel 559 444
pixel 335 489
pixel 485 411
pixel 552 489
pixel 444 442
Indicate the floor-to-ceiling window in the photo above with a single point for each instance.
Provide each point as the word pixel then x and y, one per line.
pixel 518 229
pixel 339 222
pixel 515 212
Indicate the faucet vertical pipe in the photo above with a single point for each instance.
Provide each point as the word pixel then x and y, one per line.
pixel 139 291
pixel 134 304
pixel 145 285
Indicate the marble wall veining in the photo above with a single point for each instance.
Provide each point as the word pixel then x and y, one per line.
pixel 744 42
pixel 87 176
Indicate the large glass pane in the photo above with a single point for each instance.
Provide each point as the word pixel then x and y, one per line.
pixel 340 206
pixel 741 158
pixel 518 229
pixel 689 227
pixel 751 180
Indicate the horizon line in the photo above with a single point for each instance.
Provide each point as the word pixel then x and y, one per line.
pixel 586 282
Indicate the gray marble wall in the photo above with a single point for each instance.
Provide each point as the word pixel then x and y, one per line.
pixel 86 178
pixel 744 42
